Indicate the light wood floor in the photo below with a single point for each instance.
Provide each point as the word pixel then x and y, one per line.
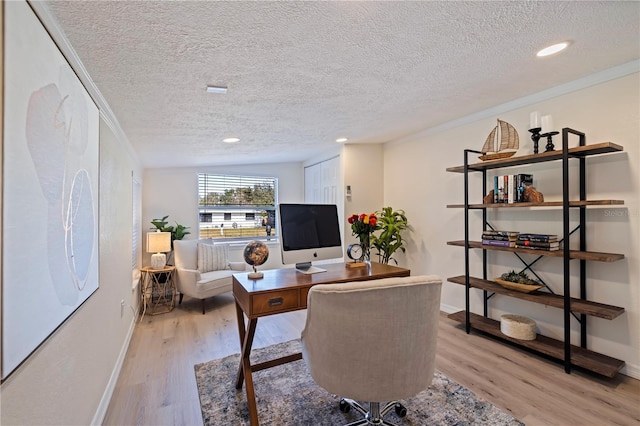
pixel 157 383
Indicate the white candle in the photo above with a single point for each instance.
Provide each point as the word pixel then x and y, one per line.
pixel 534 120
pixel 547 124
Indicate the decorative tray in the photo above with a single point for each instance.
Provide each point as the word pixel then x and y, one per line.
pixel 523 288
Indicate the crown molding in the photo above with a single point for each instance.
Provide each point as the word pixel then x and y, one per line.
pixel 41 9
pixel 572 86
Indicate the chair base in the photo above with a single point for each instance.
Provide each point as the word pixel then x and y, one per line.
pixel 373 416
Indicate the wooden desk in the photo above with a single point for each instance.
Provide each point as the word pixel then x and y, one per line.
pixel 285 290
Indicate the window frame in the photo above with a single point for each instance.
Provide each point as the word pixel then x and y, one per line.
pixel 233 216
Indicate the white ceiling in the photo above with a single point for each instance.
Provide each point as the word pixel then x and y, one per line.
pixel 301 74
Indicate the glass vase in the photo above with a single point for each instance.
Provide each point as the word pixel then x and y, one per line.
pixel 365 243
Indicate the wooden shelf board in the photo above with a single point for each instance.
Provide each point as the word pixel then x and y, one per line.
pixel 573 254
pixel 579 151
pixel 580 357
pixel 594 309
pixel 545 204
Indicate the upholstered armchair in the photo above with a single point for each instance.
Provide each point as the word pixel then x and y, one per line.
pixel 373 341
pixel 203 269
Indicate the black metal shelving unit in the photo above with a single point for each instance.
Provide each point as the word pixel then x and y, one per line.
pixel 579 307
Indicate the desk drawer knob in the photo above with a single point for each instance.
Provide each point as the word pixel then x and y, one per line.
pixel 276 301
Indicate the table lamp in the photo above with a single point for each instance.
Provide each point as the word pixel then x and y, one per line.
pixel 158 243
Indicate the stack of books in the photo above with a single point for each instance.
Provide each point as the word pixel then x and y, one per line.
pixel 510 188
pixel 500 238
pixel 538 242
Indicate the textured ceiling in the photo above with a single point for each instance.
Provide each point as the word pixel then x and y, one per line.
pixel 301 74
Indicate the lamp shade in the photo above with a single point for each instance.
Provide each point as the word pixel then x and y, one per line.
pixel 158 242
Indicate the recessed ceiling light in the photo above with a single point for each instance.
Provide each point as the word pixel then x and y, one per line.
pixel 216 89
pixel 553 49
pixel 231 140
pixel 341 140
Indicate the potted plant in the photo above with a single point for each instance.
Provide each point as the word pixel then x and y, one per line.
pixel 178 232
pixel 391 224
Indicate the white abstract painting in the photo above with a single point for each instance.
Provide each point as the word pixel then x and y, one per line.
pixel 50 194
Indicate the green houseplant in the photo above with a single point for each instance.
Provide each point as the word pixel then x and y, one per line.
pixel 178 232
pixel 391 223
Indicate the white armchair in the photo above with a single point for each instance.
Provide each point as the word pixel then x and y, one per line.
pixel 196 284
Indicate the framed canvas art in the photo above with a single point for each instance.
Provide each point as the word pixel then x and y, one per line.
pixel 50 188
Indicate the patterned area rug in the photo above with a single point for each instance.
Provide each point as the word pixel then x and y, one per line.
pixel 287 395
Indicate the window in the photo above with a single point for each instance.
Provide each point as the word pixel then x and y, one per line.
pixel 237 207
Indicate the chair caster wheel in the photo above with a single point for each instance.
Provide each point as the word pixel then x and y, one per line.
pixel 401 411
pixel 344 406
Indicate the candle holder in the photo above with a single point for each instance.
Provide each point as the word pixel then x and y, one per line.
pixel 535 137
pixel 549 137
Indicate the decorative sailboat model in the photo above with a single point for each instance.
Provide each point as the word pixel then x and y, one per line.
pixel 502 142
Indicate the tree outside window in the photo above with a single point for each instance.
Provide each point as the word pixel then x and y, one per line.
pixel 236 207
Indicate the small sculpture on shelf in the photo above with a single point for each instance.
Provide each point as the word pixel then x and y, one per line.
pixel 534 124
pixel 547 132
pixel 532 195
pixel 488 199
pixel 502 142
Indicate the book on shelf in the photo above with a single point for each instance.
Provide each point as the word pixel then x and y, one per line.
pixel 542 238
pixel 498 243
pixel 518 245
pixel 499 237
pixel 529 243
pixel 522 181
pixel 510 188
pixel 500 233
pixel 513 190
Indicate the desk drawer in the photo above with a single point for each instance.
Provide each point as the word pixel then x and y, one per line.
pixel 275 301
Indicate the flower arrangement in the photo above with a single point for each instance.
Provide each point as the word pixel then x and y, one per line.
pixel 362 226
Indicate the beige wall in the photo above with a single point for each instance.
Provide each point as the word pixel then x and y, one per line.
pixel 415 179
pixel 64 381
pixel 363 166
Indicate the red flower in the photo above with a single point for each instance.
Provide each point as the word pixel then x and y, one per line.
pixel 372 220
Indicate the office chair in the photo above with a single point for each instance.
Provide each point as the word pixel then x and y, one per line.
pixel 373 341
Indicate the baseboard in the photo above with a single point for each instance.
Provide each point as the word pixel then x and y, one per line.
pixel 448 308
pixel 631 371
pixel 101 411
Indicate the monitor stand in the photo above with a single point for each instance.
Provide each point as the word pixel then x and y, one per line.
pixel 306 268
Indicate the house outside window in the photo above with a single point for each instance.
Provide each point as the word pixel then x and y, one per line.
pixel 237 207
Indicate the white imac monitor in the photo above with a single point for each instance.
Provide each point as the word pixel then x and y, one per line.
pixel 309 232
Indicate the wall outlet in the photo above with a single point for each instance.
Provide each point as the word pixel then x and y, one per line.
pixel 121 308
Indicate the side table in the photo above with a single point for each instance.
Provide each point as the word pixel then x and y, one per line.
pixel 157 290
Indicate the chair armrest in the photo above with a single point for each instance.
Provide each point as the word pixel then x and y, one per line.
pixel 190 273
pixel 238 266
pixel 186 280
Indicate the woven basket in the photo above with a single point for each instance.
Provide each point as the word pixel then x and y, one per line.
pixel 518 327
